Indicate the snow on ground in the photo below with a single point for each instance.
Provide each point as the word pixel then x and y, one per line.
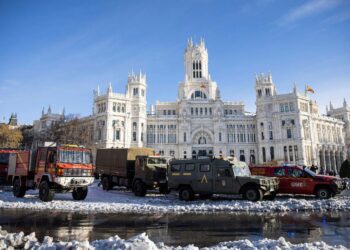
pixel 116 201
pixel 21 241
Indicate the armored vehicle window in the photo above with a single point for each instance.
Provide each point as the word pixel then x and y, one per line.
pixel 175 168
pixel 224 172
pixel 189 167
pixel 279 172
pixel 204 168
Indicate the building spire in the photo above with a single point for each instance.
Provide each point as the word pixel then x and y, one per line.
pixel 330 106
pixel 43 112
pixel 109 90
pixel 345 104
pixel 49 110
pixel 327 109
pixel 189 42
pixel 295 89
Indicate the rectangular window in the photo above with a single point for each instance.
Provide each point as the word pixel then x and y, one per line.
pixel 189 167
pixel 271 135
pixel 289 133
pixel 185 137
pixel 117 134
pixel 175 168
pixel 134 136
pixel 204 168
pixel 281 108
pixel 220 137
pixel 272 153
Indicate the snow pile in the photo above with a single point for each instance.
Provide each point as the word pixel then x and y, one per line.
pixel 122 201
pixel 21 241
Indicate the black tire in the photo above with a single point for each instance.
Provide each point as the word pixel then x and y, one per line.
pixel 163 189
pixel 18 190
pixel 323 193
pixel 97 176
pixel 270 197
pixel 186 194
pixel 139 189
pixel 253 194
pixel 45 193
pixel 80 193
pixel 106 184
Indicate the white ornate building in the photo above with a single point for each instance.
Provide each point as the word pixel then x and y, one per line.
pixel 286 127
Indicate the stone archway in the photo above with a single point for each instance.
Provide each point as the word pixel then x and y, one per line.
pixel 202 137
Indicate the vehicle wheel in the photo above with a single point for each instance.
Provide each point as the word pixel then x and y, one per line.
pixel 18 190
pixel 106 185
pixel 140 189
pixel 80 193
pixel 186 194
pixel 323 193
pixel 97 176
pixel 270 197
pixel 163 189
pixel 45 193
pixel 253 194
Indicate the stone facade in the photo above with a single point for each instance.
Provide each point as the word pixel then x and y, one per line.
pixel 286 127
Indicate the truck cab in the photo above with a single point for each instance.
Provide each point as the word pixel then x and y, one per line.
pixel 53 170
pixel 150 173
pixel 216 176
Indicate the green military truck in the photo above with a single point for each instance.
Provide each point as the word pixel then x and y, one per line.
pixel 136 168
pixel 216 176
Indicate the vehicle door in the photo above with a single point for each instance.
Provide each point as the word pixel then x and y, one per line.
pixel 281 174
pixel 204 178
pixel 174 175
pixel 297 184
pixel 223 180
pixel 41 161
pixel 50 166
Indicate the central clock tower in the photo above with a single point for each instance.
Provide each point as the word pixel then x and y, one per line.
pixel 197 84
pixel 196 61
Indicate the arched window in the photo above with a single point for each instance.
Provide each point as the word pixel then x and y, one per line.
pixel 202 140
pixel 197 69
pixel 198 95
pixel 194 154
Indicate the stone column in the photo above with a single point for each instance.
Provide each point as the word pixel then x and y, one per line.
pixel 324 161
pixel 338 160
pixel 334 160
pixel 328 168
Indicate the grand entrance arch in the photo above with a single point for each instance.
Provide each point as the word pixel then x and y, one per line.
pixel 202 144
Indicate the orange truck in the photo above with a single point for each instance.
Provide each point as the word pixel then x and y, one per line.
pixel 52 170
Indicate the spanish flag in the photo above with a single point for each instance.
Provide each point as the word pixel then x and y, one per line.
pixel 310 89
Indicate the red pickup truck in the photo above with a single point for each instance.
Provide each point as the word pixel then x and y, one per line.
pixel 299 180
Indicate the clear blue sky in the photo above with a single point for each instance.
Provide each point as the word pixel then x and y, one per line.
pixel 56 52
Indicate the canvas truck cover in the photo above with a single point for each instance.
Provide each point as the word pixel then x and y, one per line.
pixel 119 161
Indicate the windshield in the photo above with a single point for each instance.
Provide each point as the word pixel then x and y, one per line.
pixel 312 173
pixel 70 156
pixel 156 160
pixel 240 169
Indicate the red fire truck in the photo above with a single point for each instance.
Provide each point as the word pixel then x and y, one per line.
pixel 299 180
pixel 57 169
